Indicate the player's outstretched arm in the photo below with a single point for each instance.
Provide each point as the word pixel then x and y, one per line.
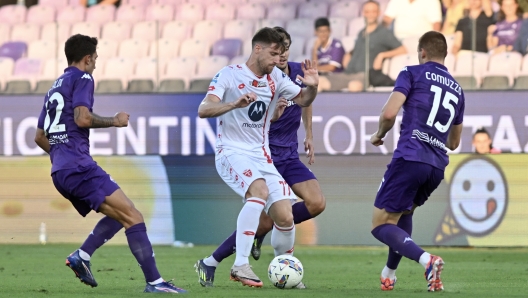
pixel 86 119
pixel 212 106
pixel 453 139
pixel 311 81
pixel 41 140
pixel 388 117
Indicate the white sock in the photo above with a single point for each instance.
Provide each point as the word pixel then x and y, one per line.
pixel 283 240
pixel 84 255
pixel 210 261
pixel 388 273
pixel 424 259
pixel 157 281
pixel 247 224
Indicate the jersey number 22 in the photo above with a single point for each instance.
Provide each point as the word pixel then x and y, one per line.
pixel 53 127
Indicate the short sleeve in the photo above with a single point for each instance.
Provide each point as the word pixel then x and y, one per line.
pixel 461 107
pixel 42 117
pixel 336 55
pixel 403 82
pixel 83 89
pixel 391 41
pixel 219 83
pixel 286 88
pixel 392 9
pixel 434 14
pixel 459 25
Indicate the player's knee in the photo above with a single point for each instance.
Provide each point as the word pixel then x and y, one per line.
pixel 258 189
pixel 285 220
pixel 131 216
pixel 317 206
pixel 355 86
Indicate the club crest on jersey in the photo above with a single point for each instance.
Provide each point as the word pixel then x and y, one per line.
pixel 256 111
pixel 248 173
pixel 241 86
pixel 258 84
pixel 211 88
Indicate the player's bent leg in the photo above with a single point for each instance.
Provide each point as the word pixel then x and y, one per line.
pixel 283 234
pixel 265 226
pixel 205 268
pixel 314 200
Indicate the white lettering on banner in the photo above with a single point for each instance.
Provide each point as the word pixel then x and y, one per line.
pixel 99 137
pixel 186 136
pixel 365 137
pixel 326 135
pixel 204 129
pixel 23 127
pixel 8 136
pixel 137 141
pixel 163 123
pixel 506 136
pixel 526 124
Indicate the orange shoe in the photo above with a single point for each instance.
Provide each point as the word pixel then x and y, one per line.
pixel 387 284
pixel 433 272
pixel 245 275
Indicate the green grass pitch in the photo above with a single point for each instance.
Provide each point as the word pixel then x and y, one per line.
pixel 39 271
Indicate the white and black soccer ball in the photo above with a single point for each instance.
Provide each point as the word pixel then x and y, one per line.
pixel 285 271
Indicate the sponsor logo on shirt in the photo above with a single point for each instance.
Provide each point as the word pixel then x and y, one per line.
pixel 258 84
pixel 241 86
pixel 86 76
pixel 215 78
pixel 256 111
pixel 424 137
pixel 248 173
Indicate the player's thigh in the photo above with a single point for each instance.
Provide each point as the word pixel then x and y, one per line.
pixel 241 173
pixel 310 192
pixel 119 207
pixel 279 190
pixel 426 189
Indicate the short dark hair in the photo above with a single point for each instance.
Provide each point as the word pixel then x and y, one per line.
pixel 482 130
pixel 434 43
pixel 78 46
pixel 370 1
pixel 284 33
pixel 269 36
pixel 321 22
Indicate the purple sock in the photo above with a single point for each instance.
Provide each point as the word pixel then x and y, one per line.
pixel 105 229
pixel 398 240
pixel 142 249
pixel 300 212
pixel 405 223
pixel 225 249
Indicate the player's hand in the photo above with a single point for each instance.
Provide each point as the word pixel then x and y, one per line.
pixel 309 149
pixel 378 62
pixel 279 109
pixel 376 140
pixel 244 100
pixel 121 119
pixel 311 76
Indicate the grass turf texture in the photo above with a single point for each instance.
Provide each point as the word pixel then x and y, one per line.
pixel 39 271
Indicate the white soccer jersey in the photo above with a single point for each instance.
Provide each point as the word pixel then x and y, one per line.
pixel 245 130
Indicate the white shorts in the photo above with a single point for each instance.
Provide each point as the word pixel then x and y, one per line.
pixel 238 171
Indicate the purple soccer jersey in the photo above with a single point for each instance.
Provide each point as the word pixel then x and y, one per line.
pixel 333 54
pixel 435 102
pixel 70 147
pixel 507 32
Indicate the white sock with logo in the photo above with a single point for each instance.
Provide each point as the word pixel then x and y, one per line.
pixel 211 261
pixel 84 255
pixel 388 273
pixel 283 239
pixel 247 224
pixel 424 259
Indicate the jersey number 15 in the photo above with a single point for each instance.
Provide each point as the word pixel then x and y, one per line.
pixel 446 103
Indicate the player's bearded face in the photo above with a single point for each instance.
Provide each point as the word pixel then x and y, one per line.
pixel 269 57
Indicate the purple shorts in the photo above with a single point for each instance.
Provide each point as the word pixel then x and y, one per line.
pixel 406 183
pixel 85 187
pixel 293 171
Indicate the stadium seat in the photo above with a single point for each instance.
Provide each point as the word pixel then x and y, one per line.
pixel 397 63
pixel 86 28
pixel 160 12
pixel 199 85
pixel 450 39
pixel 140 86
pixel 114 78
pixel 250 11
pixel 450 61
pixel 25 32
pixel 5 32
pixel 107 48
pixel 220 12
pixel 13 14
pixel 410 43
pixel 40 14
pixel 269 23
pixel 229 47
pixel 50 70
pixel 133 49
pixel 172 86
pixel 467 82
pixel 147 68
pixel 57 4
pixel 171 2
pixel 297 46
pixel 143 3
pixel 14 50
pixel 18 86
pixel 355 26
pixel 55 31
pixel 26 70
pixel 209 66
pixel 495 83
pixel 71 14
pixel 239 60
pixel 313 10
pixel 190 12
pixel 100 14
pixel 339 27
pixel 521 82
pixel 502 69
pixel 179 30
pixel 181 68
pixel 298 27
pixel 241 29
pixel 282 11
pixel 196 48
pixel 130 13
pixel 6 70
pixel 168 49
pixel 236 2
pixel 208 30
pixel 117 31
pixel 146 31
pixel 348 43
pixel 247 48
pixel 42 49
pixel 346 10
pixel 43 86
pixel 470 65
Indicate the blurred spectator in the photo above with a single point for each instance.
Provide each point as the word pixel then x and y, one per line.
pixel 413 17
pixel 327 51
pixel 482 142
pixel 383 44
pixel 502 36
pixel 27 3
pixel 521 43
pixel 454 12
pixel 88 3
pixel 479 16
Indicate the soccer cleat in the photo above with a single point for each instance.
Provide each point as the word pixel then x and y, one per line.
pixel 255 248
pixel 205 273
pixel 387 284
pixel 81 268
pixel 301 285
pixel 246 276
pixel 163 287
pixel 433 272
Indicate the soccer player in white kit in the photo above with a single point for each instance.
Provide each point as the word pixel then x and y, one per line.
pixel 245 98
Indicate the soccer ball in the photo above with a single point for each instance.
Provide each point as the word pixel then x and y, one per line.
pixel 285 271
